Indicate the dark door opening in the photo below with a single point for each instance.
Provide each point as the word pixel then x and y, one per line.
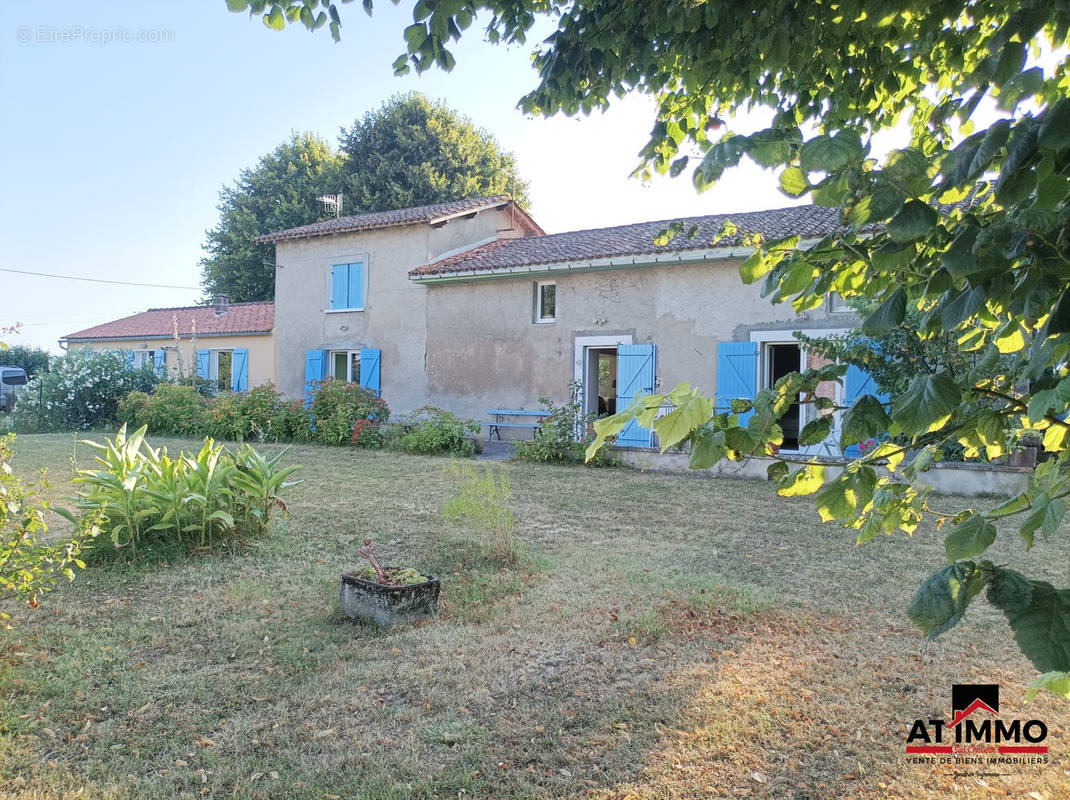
pixel 782 359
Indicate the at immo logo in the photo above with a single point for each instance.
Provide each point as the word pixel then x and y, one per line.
pixel 975 722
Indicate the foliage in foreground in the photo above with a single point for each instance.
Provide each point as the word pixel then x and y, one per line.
pixel 564 434
pixel 970 225
pixel 150 501
pixel 30 566
pixel 81 390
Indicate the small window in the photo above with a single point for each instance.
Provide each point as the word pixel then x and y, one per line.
pixel 545 301
pixel 222 368
pixel 347 287
pixel 345 365
pixel 143 358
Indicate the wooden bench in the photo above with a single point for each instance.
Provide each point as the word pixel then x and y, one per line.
pixel 500 413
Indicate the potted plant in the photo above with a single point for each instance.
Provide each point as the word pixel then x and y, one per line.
pixel 387 595
pixel 1023 447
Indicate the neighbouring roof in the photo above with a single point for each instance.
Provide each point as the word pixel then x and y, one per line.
pixel 240 318
pixel 636 240
pixel 438 212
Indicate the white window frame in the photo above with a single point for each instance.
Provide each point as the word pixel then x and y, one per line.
pixel 539 319
pixel 350 378
pixel 213 364
pixel 143 357
pixel 338 261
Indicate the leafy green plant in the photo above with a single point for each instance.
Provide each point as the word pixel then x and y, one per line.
pixel 564 434
pixel 29 565
pixel 172 409
pixel 483 502
pixel 149 500
pixel 433 431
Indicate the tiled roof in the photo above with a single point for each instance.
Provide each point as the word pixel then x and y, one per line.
pixel 158 322
pixel 398 216
pixel 635 240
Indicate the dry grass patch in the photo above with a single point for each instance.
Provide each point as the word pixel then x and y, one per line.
pixel 670 638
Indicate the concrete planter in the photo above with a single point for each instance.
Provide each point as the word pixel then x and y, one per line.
pixel 388 605
pixel 1026 457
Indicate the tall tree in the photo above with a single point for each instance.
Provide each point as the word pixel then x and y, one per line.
pixel 279 192
pixel 412 151
pixel 968 220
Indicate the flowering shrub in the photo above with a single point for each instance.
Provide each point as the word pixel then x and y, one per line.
pixel 336 406
pixel 81 390
pixel 172 409
pixel 366 433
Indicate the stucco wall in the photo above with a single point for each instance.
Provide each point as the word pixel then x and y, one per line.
pixel 394 315
pixel 181 359
pixel 484 350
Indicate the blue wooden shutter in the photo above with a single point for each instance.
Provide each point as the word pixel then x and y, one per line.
pixel 204 364
pixel 356 286
pixel 128 358
pixel 369 369
pixel 737 375
pixel 239 370
pixel 340 286
pixel 315 370
pixel 635 376
pixel 159 360
pixel 856 383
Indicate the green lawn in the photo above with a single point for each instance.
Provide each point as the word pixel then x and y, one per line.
pixel 675 637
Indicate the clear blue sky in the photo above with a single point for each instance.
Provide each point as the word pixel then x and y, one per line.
pixel 114 152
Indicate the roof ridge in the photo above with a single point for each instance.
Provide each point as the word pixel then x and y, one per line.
pixel 207 305
pixel 485 197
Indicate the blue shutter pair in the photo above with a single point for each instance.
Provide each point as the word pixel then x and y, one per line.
pixel 347 286
pixel 239 368
pixel 316 370
pixel 159 361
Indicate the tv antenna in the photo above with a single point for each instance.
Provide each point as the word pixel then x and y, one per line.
pixel 331 202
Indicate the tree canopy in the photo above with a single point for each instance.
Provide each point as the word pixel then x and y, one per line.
pixel 967 221
pixel 279 192
pixel 411 151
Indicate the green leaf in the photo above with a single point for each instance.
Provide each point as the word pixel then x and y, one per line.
pixel 677 425
pixel 864 420
pixel 1057 682
pixel 1009 591
pixel 793 182
pixel 275 19
pixel 707 448
pixel 1046 516
pixel 815 431
pixel 237 5
pixel 971 537
pixel 1054 131
pixel 941 600
pixel 837 500
pixel 802 482
pixel 887 315
pixel 994 140
pixel 913 221
pixel 1042 628
pixel 926 404
pixel 830 153
pixel 776 470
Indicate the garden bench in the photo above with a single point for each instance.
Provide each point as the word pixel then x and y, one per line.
pixel 498 423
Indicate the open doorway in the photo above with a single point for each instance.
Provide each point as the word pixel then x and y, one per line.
pixel 780 359
pixel 600 381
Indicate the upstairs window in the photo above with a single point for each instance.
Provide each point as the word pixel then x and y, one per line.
pixel 545 301
pixel 347 287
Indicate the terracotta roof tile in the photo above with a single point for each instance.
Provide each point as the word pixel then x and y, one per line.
pixel 394 217
pixel 634 240
pixel 240 318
